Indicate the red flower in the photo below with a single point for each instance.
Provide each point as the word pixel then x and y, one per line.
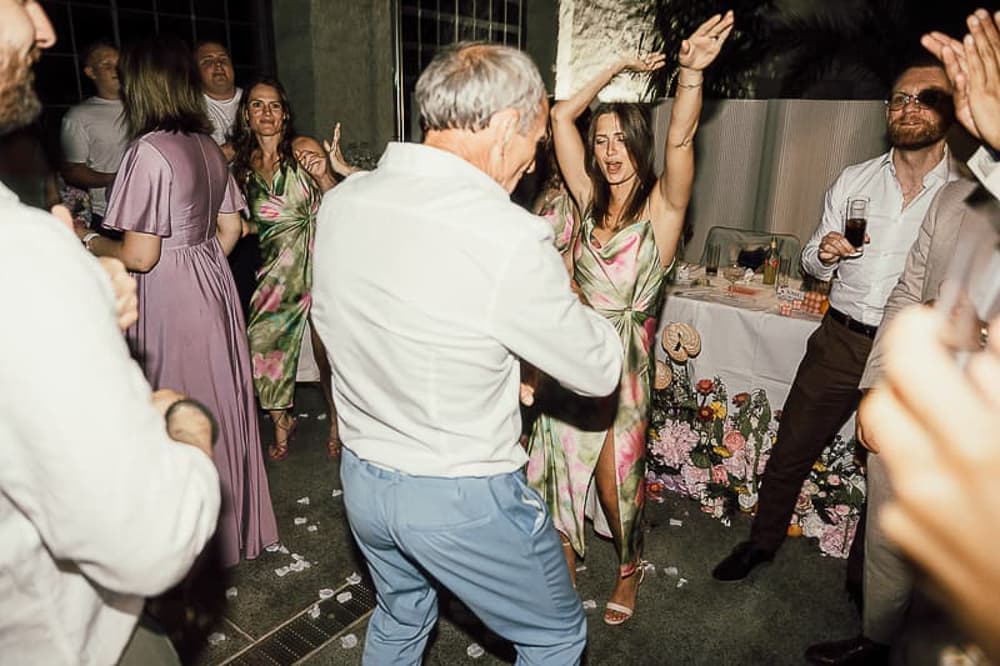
pixel 705 414
pixel 705 386
pixel 740 399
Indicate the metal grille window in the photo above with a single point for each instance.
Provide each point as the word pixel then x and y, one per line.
pixel 243 26
pixel 423 26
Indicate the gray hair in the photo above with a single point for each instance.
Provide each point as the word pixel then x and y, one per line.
pixel 466 83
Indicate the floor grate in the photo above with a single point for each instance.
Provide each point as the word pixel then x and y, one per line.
pixel 302 636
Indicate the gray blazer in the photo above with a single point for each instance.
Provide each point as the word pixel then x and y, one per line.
pixel 962 212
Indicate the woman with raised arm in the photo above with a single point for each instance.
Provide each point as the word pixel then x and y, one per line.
pixel 630 224
pixel 178 208
pixel 283 176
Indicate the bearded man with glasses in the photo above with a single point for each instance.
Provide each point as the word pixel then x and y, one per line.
pixel 900 186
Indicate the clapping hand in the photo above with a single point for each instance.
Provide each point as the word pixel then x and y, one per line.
pixel 700 49
pixel 973 66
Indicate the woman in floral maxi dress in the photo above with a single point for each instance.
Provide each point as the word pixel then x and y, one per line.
pixel 283 177
pixel 626 241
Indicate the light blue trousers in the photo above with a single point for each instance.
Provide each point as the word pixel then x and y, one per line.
pixel 489 540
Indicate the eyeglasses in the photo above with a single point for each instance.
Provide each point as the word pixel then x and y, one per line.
pixel 925 99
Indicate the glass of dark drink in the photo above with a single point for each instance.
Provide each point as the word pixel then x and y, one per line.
pixel 856 224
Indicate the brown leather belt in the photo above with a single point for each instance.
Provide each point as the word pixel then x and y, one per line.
pixel 852 324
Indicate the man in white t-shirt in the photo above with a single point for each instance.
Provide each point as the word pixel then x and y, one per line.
pixel 94 135
pixel 218 85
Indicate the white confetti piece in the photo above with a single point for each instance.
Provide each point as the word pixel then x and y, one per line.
pixel 312 528
pixel 671 571
pixel 344 597
pixel 354 578
pixel 216 638
pixel 649 569
pixel 348 641
pixel 282 571
pixel 314 612
pixel 676 523
pixel 681 582
pixel 321 417
pixel 297 557
pixel 581 567
pixel 589 604
pixel 325 593
pixel 303 415
pixel 337 492
pixel 303 500
pixel 231 593
pixel 299 520
pixel 283 549
pixel 475 650
pixel 297 566
pixel 273 548
pixel 725 521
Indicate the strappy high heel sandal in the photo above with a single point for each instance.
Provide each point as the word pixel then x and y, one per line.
pixel 279 450
pixel 617 614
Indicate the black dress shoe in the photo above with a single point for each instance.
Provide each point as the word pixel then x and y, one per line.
pixel 741 562
pixel 857 651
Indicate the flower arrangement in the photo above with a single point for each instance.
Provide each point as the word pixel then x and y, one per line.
pixel 713 448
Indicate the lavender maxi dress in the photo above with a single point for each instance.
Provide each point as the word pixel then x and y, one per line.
pixel 190 336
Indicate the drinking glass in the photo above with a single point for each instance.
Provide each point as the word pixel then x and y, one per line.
pixel 733 273
pixel 712 255
pixel 856 224
pixel 784 271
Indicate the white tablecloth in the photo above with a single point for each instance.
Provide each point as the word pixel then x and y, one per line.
pixel 745 341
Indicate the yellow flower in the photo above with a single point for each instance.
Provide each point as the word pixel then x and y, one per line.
pixel 722 452
pixel 819 467
pixel 718 409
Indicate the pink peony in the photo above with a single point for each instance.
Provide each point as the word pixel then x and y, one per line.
pixel 674 443
pixel 268 298
pixel 719 474
pixel 734 441
pixel 268 365
pixel 833 480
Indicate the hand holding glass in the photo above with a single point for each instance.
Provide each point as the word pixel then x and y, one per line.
pixel 856 225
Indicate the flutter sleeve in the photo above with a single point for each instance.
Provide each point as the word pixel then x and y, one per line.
pixel 233 200
pixel 140 195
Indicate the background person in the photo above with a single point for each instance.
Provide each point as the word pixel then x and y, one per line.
pixel 283 176
pixel 93 134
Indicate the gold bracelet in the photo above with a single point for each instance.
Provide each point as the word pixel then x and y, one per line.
pixel 690 85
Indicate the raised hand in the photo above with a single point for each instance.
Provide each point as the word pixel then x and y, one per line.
pixel 313 162
pixel 645 63
pixel 700 49
pixel 982 56
pixel 337 161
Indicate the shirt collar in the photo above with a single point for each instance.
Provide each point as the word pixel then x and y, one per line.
pixel 423 159
pixel 942 170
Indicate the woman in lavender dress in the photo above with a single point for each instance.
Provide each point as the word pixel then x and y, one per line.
pixel 179 210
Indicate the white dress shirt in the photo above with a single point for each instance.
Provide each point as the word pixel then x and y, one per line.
pixel 428 286
pixel 862 284
pixel 98 507
pixel 222 114
pixel 93 133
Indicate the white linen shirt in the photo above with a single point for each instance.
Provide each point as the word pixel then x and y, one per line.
pixel 428 286
pixel 862 284
pixel 93 133
pixel 98 507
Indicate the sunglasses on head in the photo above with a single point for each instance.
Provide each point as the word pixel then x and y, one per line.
pixel 927 99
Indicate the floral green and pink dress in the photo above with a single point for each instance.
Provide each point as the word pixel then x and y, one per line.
pixel 285 212
pixel 557 208
pixel 621 279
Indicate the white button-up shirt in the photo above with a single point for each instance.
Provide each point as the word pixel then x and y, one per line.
pixel 98 507
pixel 862 284
pixel 428 285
